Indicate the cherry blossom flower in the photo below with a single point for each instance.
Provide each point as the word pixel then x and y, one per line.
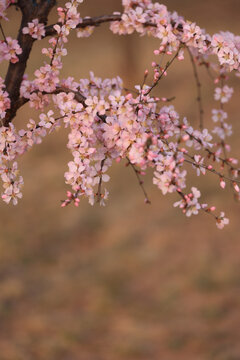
pixel 35 29
pixel 222 221
pixel 223 94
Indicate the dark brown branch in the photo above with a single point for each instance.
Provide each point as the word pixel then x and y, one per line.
pixel 95 21
pixel 16 71
pixel 98 20
pixel 99 193
pixel 1 28
pixel 88 21
pixel 77 96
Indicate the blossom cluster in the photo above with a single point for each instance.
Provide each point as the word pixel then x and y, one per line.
pixel 9 50
pixel 146 17
pixel 3 7
pixel 108 124
pixel 35 29
pixel 4 100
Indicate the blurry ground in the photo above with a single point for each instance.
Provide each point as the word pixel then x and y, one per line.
pixel 129 281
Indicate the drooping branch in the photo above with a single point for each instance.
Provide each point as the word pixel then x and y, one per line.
pixel 169 63
pixel 137 173
pixel 199 92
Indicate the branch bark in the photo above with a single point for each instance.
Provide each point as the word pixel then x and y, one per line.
pixel 88 21
pixel 30 10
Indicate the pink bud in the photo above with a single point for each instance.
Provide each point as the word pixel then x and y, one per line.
pixel 236 187
pixel 69 194
pixel 185 137
pixel 128 96
pixel 222 183
pixel 76 202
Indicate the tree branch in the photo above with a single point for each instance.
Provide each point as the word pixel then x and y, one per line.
pixel 98 20
pixel 22 101
pixel 88 21
pixel 16 71
pixel 199 92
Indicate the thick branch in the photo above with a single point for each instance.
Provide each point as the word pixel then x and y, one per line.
pixel 88 21
pixel 93 21
pixel 16 71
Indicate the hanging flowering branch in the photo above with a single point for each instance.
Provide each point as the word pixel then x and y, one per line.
pixel 108 124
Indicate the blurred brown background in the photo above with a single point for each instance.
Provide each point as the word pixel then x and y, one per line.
pixel 128 281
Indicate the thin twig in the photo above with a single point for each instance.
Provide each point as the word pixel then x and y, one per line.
pixel 206 210
pixel 199 93
pixel 1 28
pixel 139 181
pixel 169 63
pixel 222 176
pixel 100 183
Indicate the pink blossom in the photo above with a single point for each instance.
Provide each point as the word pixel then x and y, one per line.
pixel 223 94
pixel 222 221
pixel 35 29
